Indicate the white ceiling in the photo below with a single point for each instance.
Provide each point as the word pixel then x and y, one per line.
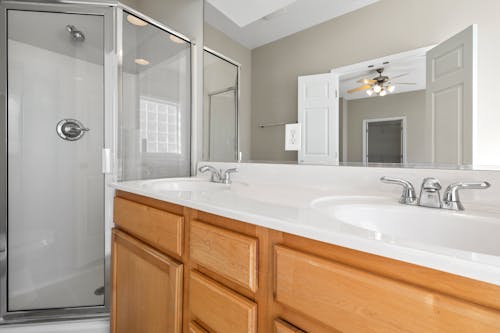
pixel 263 21
pixel 414 67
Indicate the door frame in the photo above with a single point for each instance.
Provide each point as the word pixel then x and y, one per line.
pixel 366 147
pixel 237 93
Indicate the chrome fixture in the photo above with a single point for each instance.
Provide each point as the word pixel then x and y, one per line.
pixel 215 174
pixel 76 34
pixel 451 199
pixel 218 176
pixel 409 196
pixel 430 193
pixel 226 175
pixel 71 129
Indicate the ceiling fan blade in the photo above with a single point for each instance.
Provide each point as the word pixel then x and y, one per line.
pixel 361 88
pixel 398 76
pixel 367 81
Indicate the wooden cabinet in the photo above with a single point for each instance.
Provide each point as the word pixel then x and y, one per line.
pixel 281 326
pixel 146 288
pixel 195 328
pixel 352 300
pixel 230 254
pixel 230 276
pixel 161 229
pixel 220 308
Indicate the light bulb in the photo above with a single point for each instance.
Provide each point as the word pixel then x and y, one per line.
pixel 391 88
pixel 142 62
pixel 369 92
pixel 176 39
pixel 383 92
pixel 136 21
pixel 377 88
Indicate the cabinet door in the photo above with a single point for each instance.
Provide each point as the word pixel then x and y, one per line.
pixel 146 288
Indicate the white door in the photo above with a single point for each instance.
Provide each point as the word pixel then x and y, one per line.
pixel 318 107
pixel 451 99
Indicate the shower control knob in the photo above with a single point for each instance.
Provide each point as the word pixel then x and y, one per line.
pixel 71 129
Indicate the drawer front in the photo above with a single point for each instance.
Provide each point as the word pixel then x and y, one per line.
pixel 281 326
pixel 159 228
pixel 220 308
pixel 230 254
pixel 195 328
pixel 352 300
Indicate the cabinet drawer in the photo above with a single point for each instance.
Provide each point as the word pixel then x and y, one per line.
pixel 281 326
pixel 159 228
pixel 220 308
pixel 230 254
pixel 352 300
pixel 195 328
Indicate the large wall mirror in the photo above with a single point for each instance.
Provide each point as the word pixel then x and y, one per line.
pixel 366 82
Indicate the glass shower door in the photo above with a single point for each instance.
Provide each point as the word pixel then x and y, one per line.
pixel 55 184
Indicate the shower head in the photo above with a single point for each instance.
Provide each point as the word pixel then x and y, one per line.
pixel 76 34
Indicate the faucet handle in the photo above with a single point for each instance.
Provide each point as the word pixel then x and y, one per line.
pixel 226 175
pixel 214 173
pixel 451 199
pixel 409 196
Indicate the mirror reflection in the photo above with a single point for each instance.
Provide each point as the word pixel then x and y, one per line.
pixel 337 82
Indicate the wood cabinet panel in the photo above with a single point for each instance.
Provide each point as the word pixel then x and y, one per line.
pixel 281 326
pixel 195 328
pixel 161 229
pixel 220 308
pixel 352 300
pixel 146 288
pixel 230 254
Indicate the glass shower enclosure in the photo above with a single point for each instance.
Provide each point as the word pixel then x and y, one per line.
pixel 90 94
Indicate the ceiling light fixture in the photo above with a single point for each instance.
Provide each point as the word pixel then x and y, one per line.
pixel 391 88
pixel 377 88
pixel 136 21
pixel 383 92
pixel 142 62
pixel 176 39
pixel 369 92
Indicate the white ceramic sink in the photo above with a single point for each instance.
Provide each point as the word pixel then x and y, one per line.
pixel 183 185
pixel 387 220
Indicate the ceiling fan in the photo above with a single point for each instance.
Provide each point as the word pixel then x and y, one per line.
pixel 379 85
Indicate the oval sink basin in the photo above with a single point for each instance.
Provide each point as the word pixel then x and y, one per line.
pixel 391 221
pixel 183 185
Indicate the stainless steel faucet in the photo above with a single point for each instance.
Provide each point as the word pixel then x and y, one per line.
pixel 430 193
pixel 218 176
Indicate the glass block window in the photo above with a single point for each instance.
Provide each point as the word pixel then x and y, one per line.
pixel 160 126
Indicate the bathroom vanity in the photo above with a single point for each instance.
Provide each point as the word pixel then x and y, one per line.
pixel 181 263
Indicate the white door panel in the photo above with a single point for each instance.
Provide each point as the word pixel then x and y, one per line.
pixel 451 99
pixel 318 114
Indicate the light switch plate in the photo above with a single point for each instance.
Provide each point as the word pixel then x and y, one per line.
pixel 292 137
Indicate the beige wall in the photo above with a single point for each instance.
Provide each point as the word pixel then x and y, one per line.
pixel 219 42
pixel 410 105
pixel 384 28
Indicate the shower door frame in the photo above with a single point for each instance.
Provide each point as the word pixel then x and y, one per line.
pixel 108 12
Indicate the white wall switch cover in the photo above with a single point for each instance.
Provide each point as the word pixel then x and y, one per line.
pixel 292 137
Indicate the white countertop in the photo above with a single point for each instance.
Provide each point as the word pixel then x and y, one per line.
pixel 298 210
